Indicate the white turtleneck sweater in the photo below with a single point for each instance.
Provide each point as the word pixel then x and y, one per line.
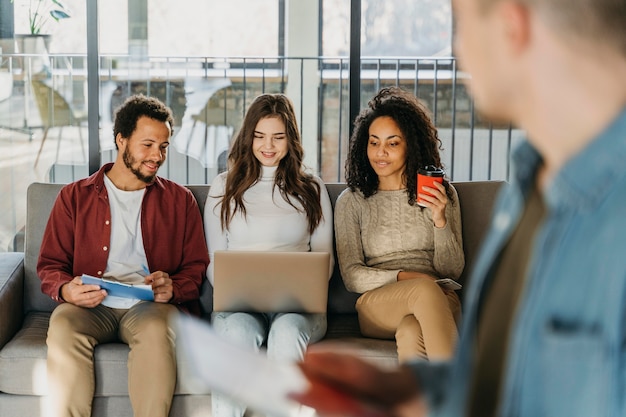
pixel 270 224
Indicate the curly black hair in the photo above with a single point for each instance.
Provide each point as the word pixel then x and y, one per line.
pixel 136 106
pixel 423 143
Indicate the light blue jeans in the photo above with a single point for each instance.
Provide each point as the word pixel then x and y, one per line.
pixel 285 335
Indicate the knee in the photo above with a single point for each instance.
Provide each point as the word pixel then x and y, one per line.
pixel 408 327
pixel 149 326
pixel 241 328
pixel 290 328
pixel 290 334
pixel 155 330
pixel 408 330
pixel 427 292
pixel 300 326
pixel 62 327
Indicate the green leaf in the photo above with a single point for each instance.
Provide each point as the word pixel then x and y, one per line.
pixel 59 14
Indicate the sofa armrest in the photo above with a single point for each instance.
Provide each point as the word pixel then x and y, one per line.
pixel 11 294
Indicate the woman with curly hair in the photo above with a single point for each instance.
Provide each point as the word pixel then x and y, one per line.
pixel 266 201
pixel 390 249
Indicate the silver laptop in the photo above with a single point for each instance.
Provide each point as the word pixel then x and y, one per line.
pixel 270 282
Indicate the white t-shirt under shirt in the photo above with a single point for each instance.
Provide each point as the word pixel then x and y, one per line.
pixel 270 224
pixel 127 258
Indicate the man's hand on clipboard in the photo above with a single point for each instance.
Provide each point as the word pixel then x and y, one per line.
pixel 83 295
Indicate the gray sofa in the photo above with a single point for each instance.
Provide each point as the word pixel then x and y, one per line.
pixel 24 314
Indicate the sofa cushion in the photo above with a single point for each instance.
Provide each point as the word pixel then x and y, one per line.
pixel 26 405
pixel 344 333
pixel 477 200
pixel 23 363
pixel 23 359
pixel 11 294
pixel 40 199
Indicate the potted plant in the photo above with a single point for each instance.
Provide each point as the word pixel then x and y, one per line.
pixel 40 12
pixel 36 41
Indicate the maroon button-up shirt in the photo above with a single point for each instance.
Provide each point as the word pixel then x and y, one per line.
pixel 78 235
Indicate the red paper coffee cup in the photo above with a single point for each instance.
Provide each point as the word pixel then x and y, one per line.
pixel 426 177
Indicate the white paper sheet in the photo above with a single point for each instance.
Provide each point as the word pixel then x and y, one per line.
pixel 245 375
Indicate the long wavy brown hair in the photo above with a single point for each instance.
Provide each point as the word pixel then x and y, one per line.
pixel 423 143
pixel 245 169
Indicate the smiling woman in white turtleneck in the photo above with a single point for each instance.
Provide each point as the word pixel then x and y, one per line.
pixel 265 201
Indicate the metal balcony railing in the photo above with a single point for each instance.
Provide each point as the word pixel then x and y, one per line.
pixel 209 95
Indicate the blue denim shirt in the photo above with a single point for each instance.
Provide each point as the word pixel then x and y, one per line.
pixel 567 356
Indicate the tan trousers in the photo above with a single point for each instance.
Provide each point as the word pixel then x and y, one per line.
pixel 418 312
pixel 72 336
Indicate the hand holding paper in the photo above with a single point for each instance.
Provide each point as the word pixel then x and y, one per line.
pixel 161 285
pixel 343 384
pixel 119 289
pixel 87 296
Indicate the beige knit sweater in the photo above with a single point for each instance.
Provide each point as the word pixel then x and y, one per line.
pixel 382 235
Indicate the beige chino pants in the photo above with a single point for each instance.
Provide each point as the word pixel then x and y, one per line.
pixel 72 336
pixel 418 313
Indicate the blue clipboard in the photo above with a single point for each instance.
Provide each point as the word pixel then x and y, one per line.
pixel 120 289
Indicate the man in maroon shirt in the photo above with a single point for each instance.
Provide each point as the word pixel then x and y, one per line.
pixel 127 224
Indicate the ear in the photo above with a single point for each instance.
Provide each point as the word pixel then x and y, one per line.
pixel 119 140
pixel 516 24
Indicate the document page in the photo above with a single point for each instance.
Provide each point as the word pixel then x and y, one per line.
pixel 247 376
pixel 120 289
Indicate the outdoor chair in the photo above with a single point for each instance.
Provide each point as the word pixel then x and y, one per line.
pixel 220 110
pixel 55 111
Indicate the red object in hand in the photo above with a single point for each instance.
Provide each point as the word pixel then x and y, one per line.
pixel 426 178
pixel 328 401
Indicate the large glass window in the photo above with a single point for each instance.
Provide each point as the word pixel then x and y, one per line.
pixel 390 28
pixel 214 27
pixel 395 35
pixel 172 27
pixel 207 60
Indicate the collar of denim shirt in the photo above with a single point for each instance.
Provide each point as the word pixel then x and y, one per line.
pixel 586 179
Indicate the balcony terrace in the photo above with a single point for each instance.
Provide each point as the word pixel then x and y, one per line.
pixel 208 97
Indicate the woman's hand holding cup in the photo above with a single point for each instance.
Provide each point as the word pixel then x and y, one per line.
pixel 432 194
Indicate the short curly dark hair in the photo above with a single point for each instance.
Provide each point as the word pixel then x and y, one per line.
pixel 136 106
pixel 413 119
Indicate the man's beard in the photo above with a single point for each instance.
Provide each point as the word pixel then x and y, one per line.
pixel 129 161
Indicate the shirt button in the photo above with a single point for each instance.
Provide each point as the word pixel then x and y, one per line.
pixel 99 272
pixel 104 248
pixel 502 221
pixel 107 222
